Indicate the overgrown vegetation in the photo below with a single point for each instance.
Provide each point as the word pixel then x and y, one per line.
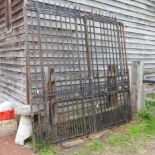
pixel 142 130
pixel 95 146
pixel 44 149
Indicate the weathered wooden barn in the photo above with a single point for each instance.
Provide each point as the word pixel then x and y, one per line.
pixel 138 17
pixel 12 47
pixel 79 52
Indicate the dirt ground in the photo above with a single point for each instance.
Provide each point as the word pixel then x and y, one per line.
pixel 8 147
pixel 141 148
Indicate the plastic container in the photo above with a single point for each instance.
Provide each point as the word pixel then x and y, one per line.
pixel 7 115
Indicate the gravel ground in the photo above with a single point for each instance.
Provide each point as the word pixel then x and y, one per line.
pixel 8 147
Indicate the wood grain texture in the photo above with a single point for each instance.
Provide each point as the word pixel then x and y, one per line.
pixel 138 17
pixel 12 56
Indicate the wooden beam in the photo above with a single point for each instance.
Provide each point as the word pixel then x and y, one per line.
pixel 137 90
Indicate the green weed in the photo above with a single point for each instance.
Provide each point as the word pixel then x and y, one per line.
pixel 145 114
pixel 149 104
pixel 95 146
pixel 117 140
pixel 43 148
pixel 46 150
pixel 152 96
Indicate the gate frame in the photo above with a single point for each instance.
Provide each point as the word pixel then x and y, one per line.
pixel 45 96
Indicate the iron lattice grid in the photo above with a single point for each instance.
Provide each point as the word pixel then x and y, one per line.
pixel 78 72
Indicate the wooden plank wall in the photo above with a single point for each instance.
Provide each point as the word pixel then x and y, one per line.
pixel 138 17
pixel 12 57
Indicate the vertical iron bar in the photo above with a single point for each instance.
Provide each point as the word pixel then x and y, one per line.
pixel 90 72
pixel 42 66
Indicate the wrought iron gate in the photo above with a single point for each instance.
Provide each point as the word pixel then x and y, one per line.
pixel 78 73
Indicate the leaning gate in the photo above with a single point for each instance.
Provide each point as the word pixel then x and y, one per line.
pixel 78 72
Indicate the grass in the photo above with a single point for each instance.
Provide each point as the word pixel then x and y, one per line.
pixel 41 147
pixel 152 96
pixel 142 130
pixel 94 146
pixel 46 150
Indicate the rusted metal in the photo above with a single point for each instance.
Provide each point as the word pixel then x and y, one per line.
pixel 78 72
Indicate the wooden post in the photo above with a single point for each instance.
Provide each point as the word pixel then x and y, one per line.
pixel 137 90
pixel 52 107
pixel 112 80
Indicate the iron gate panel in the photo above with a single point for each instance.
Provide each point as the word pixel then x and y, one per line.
pixel 78 73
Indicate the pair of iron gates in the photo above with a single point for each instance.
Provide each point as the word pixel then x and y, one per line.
pixel 78 73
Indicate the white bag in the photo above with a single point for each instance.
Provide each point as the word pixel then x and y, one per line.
pixel 7 105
